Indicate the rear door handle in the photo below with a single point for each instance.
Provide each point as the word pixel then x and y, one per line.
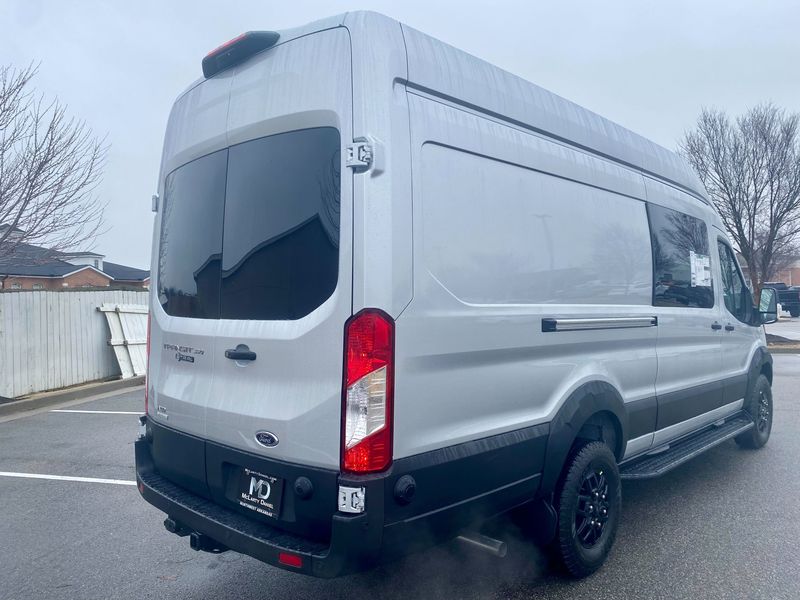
pixel 716 326
pixel 729 327
pixel 241 352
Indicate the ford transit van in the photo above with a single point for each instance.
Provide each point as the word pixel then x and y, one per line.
pixel 398 291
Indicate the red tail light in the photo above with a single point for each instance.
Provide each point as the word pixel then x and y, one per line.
pixel 368 390
pixel 147 368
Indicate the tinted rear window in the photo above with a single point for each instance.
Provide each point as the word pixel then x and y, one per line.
pixel 272 237
pixel 191 238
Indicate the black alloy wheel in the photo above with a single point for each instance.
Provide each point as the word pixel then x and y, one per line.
pixel 593 507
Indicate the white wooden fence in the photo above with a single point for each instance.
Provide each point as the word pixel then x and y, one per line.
pixel 50 340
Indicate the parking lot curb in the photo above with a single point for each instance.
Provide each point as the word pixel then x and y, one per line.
pixel 782 350
pixel 43 400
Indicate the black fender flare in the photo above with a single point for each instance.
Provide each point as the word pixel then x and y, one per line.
pixel 760 358
pixel 587 400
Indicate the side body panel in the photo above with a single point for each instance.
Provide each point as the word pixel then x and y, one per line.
pixel 505 224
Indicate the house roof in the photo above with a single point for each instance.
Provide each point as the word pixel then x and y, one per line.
pixel 35 261
pixel 23 255
pixel 52 269
pixel 77 254
pixel 55 268
pixel 125 273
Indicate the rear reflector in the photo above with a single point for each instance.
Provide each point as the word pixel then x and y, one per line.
pixel 237 50
pixel 291 560
pixel 368 392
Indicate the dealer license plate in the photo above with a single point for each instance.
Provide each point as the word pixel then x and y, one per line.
pixel 260 493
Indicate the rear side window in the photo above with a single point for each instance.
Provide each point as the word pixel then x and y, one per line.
pixel 681 259
pixel 252 232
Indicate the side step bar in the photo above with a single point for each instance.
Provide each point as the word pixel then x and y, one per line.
pixel 685 449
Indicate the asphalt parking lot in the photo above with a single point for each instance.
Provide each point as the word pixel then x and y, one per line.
pixel 727 525
pixel 788 328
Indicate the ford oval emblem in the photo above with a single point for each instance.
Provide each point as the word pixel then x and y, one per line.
pixel 267 438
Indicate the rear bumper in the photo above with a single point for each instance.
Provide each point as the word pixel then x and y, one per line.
pixel 353 543
pixel 456 487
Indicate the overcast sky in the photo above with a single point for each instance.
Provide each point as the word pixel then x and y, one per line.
pixel 650 66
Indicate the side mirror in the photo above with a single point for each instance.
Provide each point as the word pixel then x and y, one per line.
pixel 768 306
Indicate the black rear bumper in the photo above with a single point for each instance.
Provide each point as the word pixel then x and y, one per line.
pixel 455 487
pixel 248 536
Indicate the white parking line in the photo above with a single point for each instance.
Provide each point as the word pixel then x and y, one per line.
pixel 98 412
pixel 66 478
pixel 76 402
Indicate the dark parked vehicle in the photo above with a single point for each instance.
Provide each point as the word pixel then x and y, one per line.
pixel 788 297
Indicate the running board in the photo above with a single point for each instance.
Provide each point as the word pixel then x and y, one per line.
pixel 685 449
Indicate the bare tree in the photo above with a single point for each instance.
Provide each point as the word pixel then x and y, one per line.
pixel 50 166
pixel 751 169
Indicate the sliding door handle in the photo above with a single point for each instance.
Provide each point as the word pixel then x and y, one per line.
pixel 716 326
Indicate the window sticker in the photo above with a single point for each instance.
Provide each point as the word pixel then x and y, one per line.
pixel 701 269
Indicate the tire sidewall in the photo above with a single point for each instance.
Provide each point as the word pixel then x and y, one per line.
pixel 761 386
pixel 578 559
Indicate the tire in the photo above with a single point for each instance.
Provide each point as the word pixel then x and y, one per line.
pixel 590 493
pixel 759 406
pixel 795 311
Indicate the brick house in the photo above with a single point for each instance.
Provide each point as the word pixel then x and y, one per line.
pixel 791 275
pixel 30 267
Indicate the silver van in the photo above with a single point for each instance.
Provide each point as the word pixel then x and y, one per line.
pixel 398 291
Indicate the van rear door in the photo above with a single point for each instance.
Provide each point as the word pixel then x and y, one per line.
pixel 286 266
pixel 254 260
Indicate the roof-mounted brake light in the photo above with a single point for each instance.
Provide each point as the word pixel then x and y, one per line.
pixel 237 50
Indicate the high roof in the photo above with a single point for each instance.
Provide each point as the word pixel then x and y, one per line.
pixel 454 75
pixel 457 76
pixel 436 68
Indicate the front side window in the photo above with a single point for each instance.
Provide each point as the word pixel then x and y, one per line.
pixel 681 259
pixel 734 290
pixel 252 231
